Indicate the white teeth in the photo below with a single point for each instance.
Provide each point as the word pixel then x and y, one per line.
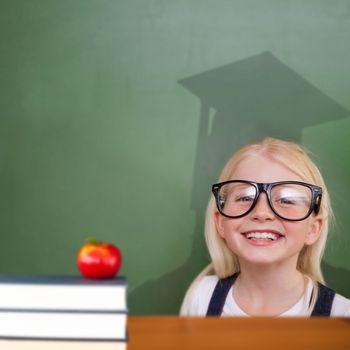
pixel 262 235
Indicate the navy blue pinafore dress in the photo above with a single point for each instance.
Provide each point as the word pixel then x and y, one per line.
pixel 322 307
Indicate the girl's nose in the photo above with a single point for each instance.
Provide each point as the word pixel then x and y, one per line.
pixel 262 210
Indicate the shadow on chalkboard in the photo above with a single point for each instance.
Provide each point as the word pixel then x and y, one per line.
pixel 337 278
pixel 240 102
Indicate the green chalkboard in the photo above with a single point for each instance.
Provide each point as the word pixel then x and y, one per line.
pixel 116 116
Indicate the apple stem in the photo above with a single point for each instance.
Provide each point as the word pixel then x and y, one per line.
pixel 92 240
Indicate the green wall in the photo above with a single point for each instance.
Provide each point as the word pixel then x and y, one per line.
pixel 116 116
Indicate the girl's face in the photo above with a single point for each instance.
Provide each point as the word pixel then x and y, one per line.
pixel 292 235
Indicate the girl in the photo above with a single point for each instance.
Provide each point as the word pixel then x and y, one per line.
pixel 266 230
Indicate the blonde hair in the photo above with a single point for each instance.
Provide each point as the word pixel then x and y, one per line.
pixel 224 262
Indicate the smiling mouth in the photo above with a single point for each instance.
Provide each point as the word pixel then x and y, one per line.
pixel 262 236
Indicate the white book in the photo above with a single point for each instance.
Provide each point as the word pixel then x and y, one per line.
pixel 15 344
pixel 62 293
pixel 63 325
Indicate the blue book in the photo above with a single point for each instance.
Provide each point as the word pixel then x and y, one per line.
pixel 62 293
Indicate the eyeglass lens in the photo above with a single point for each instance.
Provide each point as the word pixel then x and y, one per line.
pixel 290 201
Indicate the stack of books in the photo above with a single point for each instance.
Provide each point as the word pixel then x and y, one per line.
pixel 45 311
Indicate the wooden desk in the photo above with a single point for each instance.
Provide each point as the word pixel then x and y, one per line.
pixel 158 332
pixel 167 333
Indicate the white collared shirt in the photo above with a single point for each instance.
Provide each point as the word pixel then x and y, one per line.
pixel 204 290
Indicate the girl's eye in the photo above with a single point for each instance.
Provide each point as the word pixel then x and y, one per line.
pixel 286 201
pixel 245 199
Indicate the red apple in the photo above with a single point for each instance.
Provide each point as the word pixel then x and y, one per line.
pixel 99 260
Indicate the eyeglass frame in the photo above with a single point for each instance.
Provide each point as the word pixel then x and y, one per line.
pixel 315 204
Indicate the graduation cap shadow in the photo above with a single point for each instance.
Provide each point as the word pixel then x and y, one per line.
pixel 240 102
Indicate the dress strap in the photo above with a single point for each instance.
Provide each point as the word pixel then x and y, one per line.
pixel 324 301
pixel 219 295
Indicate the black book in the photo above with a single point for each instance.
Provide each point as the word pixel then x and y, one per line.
pixel 66 307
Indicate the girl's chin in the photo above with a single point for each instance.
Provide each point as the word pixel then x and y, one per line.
pixel 258 263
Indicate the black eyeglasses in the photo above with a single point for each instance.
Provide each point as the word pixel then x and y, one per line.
pixel 289 200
